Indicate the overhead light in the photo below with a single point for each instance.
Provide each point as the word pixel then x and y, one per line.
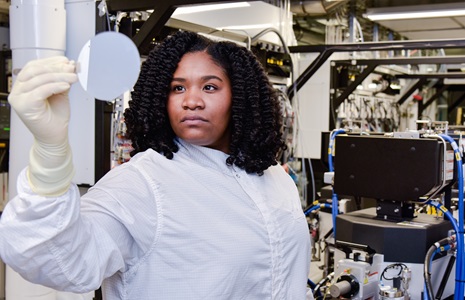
pixel 202 8
pixel 415 12
pixel 372 85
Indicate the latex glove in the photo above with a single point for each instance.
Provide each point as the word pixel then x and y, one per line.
pixel 40 98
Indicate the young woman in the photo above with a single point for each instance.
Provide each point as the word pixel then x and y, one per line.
pixel 201 211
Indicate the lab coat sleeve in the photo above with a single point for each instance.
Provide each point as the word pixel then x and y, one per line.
pixel 34 228
pixel 49 241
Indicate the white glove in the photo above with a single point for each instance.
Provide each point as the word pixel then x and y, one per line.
pixel 40 98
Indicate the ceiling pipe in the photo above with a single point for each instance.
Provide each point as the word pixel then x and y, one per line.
pixel 315 7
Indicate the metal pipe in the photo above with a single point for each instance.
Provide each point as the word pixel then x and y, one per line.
pixel 386 45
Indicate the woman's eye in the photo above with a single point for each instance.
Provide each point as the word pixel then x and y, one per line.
pixel 210 87
pixel 177 88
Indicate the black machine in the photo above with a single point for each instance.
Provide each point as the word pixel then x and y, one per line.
pixel 398 173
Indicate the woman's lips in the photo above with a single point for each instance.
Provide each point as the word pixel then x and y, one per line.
pixel 193 119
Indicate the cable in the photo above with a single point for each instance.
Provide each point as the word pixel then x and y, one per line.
pixel 400 281
pixel 459 240
pixel 321 282
pixel 359 28
pixel 427 273
pixel 312 179
pixel 425 294
pixel 315 207
pixel 248 43
pixel 267 30
pixel 427 267
pixel 392 266
pixel 460 269
pixel 331 169
pixel 286 49
pixel 312 286
pixel 304 171
pixel 311 283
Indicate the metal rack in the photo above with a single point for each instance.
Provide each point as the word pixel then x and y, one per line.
pixel 368 66
pixel 325 51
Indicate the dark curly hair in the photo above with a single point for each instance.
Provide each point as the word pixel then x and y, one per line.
pixel 256 120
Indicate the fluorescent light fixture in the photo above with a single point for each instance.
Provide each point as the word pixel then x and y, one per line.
pixel 202 8
pixel 415 12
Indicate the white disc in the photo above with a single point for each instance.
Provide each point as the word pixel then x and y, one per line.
pixel 108 65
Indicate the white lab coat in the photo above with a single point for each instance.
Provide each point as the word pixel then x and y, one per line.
pixel 187 228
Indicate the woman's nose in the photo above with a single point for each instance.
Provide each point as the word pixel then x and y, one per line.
pixel 193 100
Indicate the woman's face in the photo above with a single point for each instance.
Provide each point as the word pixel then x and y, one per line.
pixel 199 102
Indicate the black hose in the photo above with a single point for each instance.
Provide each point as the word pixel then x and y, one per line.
pixel 427 273
pixel 321 282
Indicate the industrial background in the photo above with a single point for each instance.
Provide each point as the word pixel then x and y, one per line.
pixel 386 77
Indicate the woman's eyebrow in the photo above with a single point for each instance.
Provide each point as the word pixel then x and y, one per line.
pixel 204 78
pixel 208 77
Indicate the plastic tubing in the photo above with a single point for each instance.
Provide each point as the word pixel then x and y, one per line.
pixel 425 293
pixel 458 280
pixel 334 209
pixel 312 287
pixel 315 207
pixel 460 262
pixel 330 148
pixel 446 213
